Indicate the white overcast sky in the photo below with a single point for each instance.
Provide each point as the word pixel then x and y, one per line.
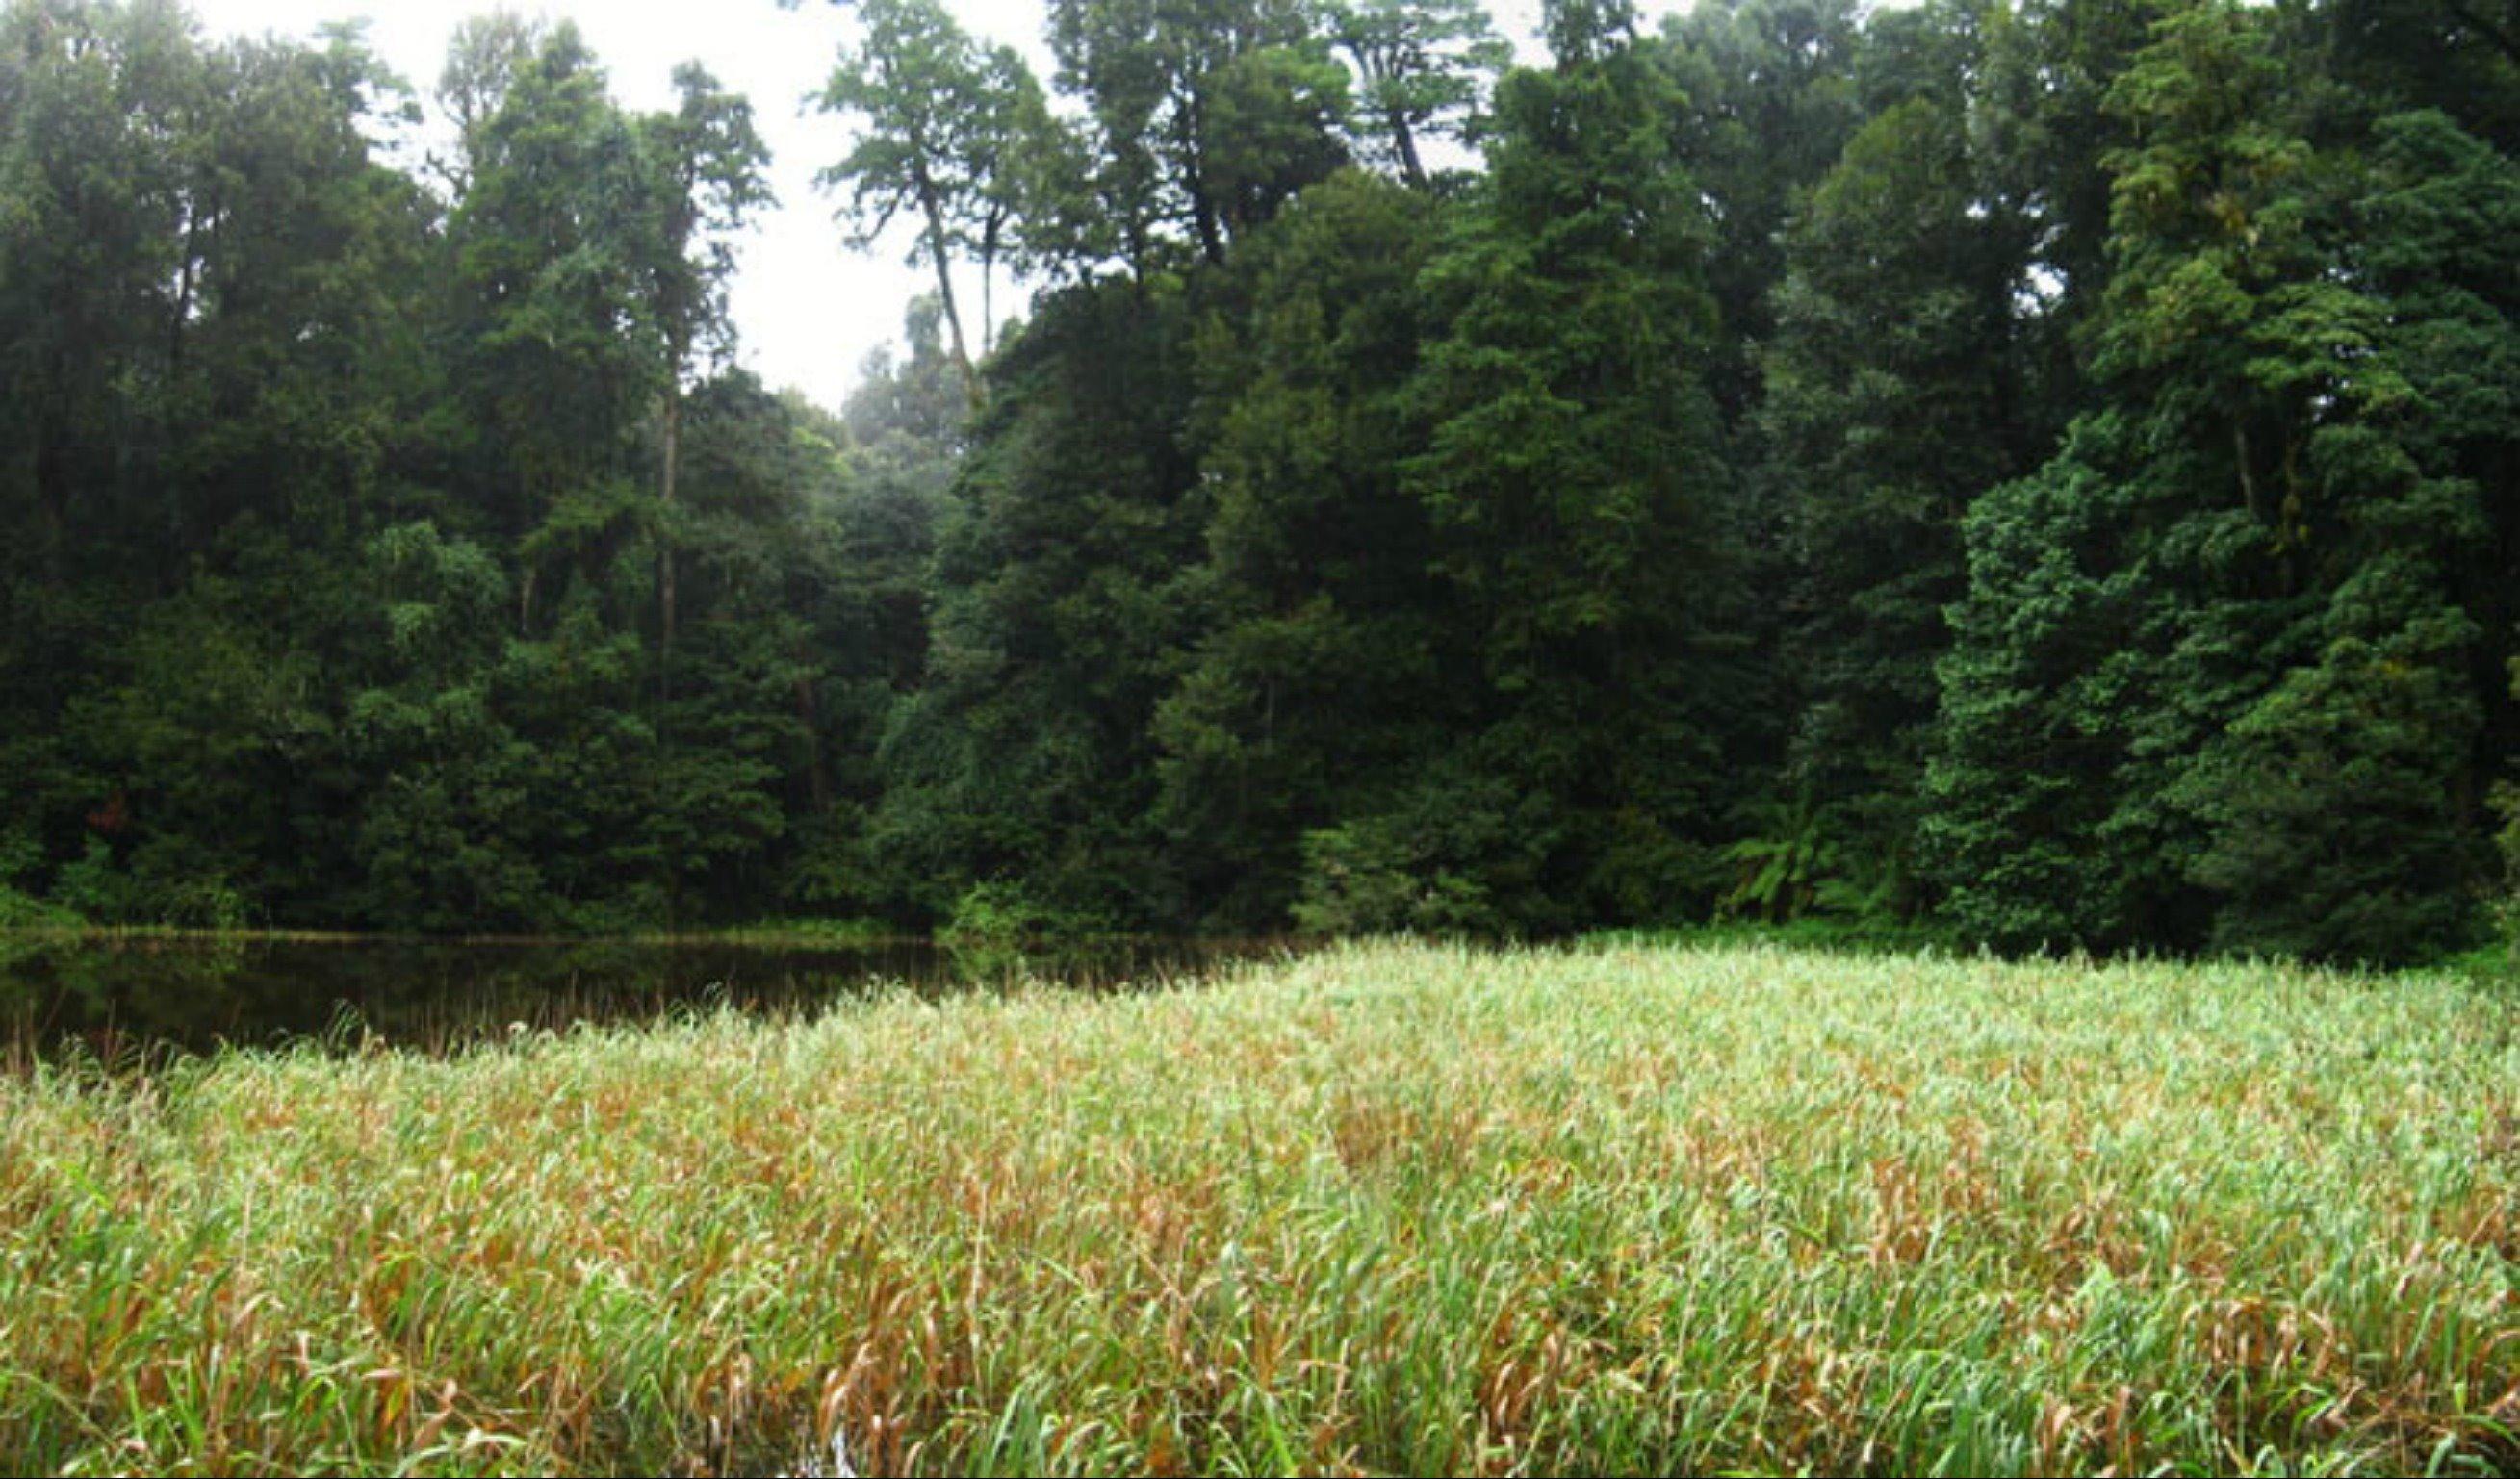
pixel 807 308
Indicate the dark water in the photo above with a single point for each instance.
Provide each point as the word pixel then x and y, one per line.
pixel 126 998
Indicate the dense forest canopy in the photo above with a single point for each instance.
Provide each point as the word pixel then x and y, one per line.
pixel 2046 474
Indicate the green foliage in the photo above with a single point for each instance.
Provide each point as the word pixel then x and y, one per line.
pixel 1868 935
pixel 1379 877
pixel 1000 912
pixel 2330 801
pixel 1025 752
pixel 22 855
pixel 2039 471
pixel 949 128
pixel 348 591
pixel 1574 481
pixel 2013 798
pixel 2214 680
pixel 22 911
pixel 1896 393
pixel 808 933
pixel 1206 116
pixel 93 887
pixel 1422 69
pixel 1320 673
pixel 1795 868
pixel 1765 101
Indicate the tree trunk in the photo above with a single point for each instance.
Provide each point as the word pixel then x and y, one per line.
pixel 2248 482
pixel 665 543
pixel 1211 238
pixel 1406 144
pixel 1202 206
pixel 936 253
pixel 988 289
pixel 183 310
pixel 188 281
pixel 818 775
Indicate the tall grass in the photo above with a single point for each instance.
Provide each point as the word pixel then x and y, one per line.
pixel 1389 1209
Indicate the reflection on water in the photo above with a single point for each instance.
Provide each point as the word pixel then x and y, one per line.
pixel 119 997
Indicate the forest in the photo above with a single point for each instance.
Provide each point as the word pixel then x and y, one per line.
pixel 2033 473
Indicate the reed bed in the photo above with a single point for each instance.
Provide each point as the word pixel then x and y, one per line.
pixel 1389 1208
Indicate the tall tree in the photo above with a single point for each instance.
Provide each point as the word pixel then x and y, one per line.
pixel 1896 388
pixel 707 162
pixel 1205 116
pixel 553 247
pixel 1026 758
pixel 482 60
pixel 1015 149
pixel 938 140
pixel 2460 55
pixel 1575 478
pixel 1316 690
pixel 1765 100
pixel 2214 683
pixel 1422 69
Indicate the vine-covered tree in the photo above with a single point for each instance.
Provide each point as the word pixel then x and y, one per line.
pixel 2214 683
pixel 1576 483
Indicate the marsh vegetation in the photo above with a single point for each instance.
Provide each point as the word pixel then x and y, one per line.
pixel 1389 1208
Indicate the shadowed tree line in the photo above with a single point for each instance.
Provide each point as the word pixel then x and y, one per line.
pixel 2046 474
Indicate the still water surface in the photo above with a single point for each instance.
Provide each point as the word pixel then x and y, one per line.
pixel 118 998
